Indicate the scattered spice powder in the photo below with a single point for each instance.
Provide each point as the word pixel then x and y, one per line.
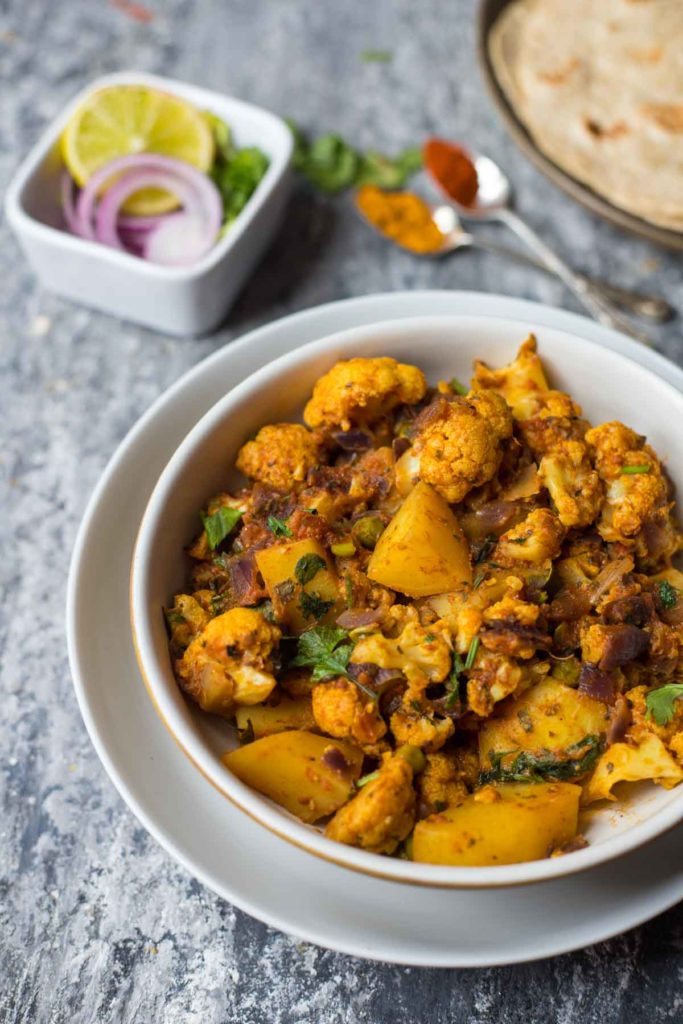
pixel 401 216
pixel 452 169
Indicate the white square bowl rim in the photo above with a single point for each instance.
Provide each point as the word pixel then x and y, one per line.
pixel 243 796
pixel 23 222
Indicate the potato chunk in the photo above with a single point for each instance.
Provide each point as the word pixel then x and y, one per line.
pixel 423 550
pixel 311 776
pixel 266 719
pixel 505 824
pixel 301 583
pixel 549 717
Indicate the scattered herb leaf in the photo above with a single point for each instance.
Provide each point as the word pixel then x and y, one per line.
pixel 630 470
pixel 313 606
pixel 458 387
pixel 364 779
pixel 660 702
pixel 278 527
pixel 237 177
pixel 472 652
pixel 324 649
pixel 430 638
pixel 218 525
pixel 376 56
pixel 668 595
pixel 478 580
pixel 530 767
pixel 308 567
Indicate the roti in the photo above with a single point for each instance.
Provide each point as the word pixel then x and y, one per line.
pixel 599 86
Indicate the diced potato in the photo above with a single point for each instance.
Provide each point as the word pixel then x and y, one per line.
pixel 505 824
pixel 298 605
pixel 266 719
pixel 548 717
pixel 518 382
pixel 311 776
pixel 423 550
pixel 623 762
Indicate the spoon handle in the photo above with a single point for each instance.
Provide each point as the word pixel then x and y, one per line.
pixel 652 307
pixel 601 308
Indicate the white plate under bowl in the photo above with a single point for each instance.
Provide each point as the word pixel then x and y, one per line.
pixel 444 347
pixel 241 861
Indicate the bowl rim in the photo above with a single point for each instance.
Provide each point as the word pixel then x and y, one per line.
pixel 23 222
pixel 244 797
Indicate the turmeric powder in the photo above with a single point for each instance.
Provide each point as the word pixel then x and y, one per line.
pixel 401 216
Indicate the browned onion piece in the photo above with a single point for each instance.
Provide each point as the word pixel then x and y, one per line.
pixel 571 602
pixel 636 610
pixel 244 580
pixel 620 719
pixel 611 574
pixel 623 643
pixel 353 440
pixel 495 517
pixel 400 446
pixel 598 684
pixel 334 759
pixel 354 618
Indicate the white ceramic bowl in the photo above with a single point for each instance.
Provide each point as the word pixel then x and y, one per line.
pixel 608 386
pixel 176 300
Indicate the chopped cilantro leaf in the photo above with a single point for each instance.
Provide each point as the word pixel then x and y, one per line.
pixel 472 652
pixel 278 527
pixel 630 470
pixel 528 766
pixel 218 525
pixel 668 595
pixel 376 56
pixel 313 606
pixel 364 779
pixel 308 567
pixel 660 702
pixel 458 387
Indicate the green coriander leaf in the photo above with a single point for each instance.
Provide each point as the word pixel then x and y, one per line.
pixel 331 165
pixel 660 702
pixel 308 567
pixel 364 779
pixel 388 172
pixel 376 56
pixel 278 527
pixel 527 766
pixel 668 595
pixel 238 178
pixel 630 470
pixel 430 638
pixel 313 606
pixel 323 649
pixel 174 617
pixel 478 580
pixel 220 524
pixel 460 389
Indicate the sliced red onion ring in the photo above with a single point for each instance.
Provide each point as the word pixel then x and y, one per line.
pixel 68 206
pixel 183 241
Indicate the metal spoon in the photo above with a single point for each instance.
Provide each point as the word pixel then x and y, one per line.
pixel 651 307
pixel 491 204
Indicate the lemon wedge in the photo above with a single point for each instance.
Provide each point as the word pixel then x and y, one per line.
pixel 122 120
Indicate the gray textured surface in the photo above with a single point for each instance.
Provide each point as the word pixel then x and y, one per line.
pixel 96 922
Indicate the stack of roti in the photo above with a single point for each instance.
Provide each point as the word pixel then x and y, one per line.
pixel 599 86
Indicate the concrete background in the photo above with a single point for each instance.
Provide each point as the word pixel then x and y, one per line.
pixel 97 924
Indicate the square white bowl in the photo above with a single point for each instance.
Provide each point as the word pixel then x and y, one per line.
pixel 175 300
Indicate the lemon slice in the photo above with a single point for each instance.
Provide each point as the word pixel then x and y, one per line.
pixel 122 120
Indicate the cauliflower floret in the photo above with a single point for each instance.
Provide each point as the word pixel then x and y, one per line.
pixel 185 619
pixel 341 710
pixel 671 734
pixel 281 455
pixel 552 417
pixel 536 539
pixel 361 390
pixel 572 483
pixel 512 627
pixel 230 662
pixel 494 677
pixel 381 815
pixel 518 382
pixel 423 655
pixel 631 497
pixel 632 762
pixel 440 784
pixel 459 445
pixel 418 730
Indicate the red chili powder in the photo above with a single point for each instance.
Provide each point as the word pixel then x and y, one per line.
pixel 452 169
